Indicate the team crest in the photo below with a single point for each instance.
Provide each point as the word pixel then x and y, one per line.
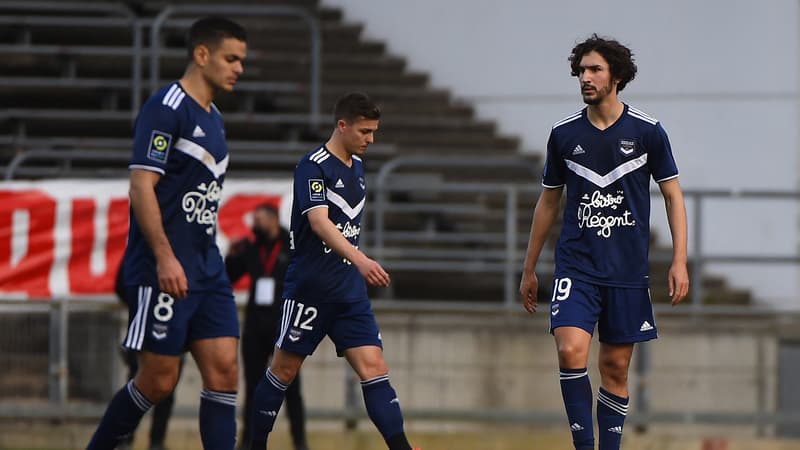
pixel 159 146
pixel 627 146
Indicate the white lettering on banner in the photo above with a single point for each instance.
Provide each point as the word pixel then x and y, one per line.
pixel 65 238
pixel 591 215
pixel 201 205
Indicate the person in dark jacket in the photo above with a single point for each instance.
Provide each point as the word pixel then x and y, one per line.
pixel 264 257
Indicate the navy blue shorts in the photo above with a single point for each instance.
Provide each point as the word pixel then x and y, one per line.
pixel 161 324
pixel 623 315
pixel 349 324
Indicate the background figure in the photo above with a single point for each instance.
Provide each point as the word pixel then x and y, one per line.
pixel 162 411
pixel 265 258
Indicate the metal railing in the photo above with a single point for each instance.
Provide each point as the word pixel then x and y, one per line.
pixel 315 80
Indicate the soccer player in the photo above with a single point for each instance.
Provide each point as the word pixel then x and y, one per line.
pixel 605 155
pixel 325 291
pixel 173 267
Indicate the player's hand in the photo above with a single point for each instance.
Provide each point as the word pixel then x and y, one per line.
pixel 172 278
pixel 678 282
pixel 527 289
pixel 373 272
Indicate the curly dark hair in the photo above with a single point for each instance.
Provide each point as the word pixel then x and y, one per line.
pixel 619 58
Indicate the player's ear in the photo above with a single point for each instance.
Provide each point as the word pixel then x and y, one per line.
pixel 201 54
pixel 341 124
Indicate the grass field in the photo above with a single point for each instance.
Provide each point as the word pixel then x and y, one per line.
pixel 183 435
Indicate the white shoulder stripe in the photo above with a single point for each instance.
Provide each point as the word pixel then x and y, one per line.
pixel 168 96
pixel 568 119
pixel 338 200
pixel 605 180
pixel 649 120
pixel 356 158
pixel 322 158
pixel 177 102
pixel 317 153
pixel 203 156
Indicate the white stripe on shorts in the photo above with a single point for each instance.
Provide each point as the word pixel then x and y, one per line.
pixel 286 319
pixel 136 331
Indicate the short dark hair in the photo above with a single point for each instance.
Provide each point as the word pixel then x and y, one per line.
pixel 210 31
pixel 619 58
pixel 354 105
pixel 267 207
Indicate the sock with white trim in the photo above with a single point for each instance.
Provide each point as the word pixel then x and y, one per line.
pixel 611 412
pixel 121 418
pixel 383 409
pixel 576 390
pixel 218 419
pixel 267 400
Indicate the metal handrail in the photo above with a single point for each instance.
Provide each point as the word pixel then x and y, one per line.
pixel 509 291
pixel 86 7
pixel 248 10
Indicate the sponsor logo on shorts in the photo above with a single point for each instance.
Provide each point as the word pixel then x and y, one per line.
pixel 646 326
pixel 160 331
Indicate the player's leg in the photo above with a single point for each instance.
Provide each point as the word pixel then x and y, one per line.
pixel 383 406
pixel 574 310
pixel 356 335
pixel 302 327
pixel 297 414
pixel 270 393
pixel 216 360
pixel 612 398
pixel 627 318
pixel 162 412
pixel 214 343
pixel 572 344
pixel 155 379
pixel 156 332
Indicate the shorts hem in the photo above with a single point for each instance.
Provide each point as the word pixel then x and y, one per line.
pixel 586 328
pixel 340 350
pixel 630 339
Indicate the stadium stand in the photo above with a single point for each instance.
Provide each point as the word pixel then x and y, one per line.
pixel 68 88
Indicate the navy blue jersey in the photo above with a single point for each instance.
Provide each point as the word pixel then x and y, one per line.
pixel 177 138
pixel 316 272
pixel 606 229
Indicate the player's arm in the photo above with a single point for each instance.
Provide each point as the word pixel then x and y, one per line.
pixel 333 238
pixel 171 277
pixel 544 216
pixel 676 216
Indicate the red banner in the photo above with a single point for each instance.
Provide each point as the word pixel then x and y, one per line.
pixel 66 237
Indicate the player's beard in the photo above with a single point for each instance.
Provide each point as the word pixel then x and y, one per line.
pixel 600 95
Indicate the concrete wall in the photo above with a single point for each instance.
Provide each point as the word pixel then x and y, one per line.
pixel 457 364
pixel 721 76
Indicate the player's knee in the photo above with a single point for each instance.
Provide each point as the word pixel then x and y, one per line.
pixel 155 388
pixel 371 368
pixel 284 371
pixel 571 355
pixel 614 370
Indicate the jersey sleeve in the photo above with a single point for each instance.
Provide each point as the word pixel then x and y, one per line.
pixel 554 167
pixel 662 163
pixel 155 133
pixel 309 186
